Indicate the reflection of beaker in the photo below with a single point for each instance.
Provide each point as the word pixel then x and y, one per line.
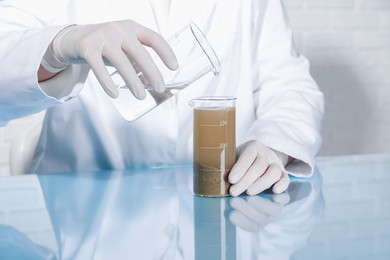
pixel 214 144
pixel 215 235
pixel 195 57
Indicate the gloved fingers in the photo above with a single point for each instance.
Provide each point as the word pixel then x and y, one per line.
pixel 247 156
pixel 282 184
pixel 268 207
pixel 266 180
pixel 256 170
pixel 154 40
pixel 127 72
pixel 142 58
pixel 99 69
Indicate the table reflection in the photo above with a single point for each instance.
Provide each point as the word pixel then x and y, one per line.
pixel 215 235
pixel 153 214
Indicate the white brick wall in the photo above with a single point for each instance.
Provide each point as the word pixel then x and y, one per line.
pixel 348 44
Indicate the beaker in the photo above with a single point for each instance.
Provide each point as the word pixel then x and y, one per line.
pixel 195 57
pixel 214 144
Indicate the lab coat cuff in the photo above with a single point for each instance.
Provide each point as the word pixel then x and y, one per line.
pixel 302 166
pixel 67 83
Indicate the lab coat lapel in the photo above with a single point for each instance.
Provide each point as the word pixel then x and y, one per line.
pixel 180 14
pixel 172 15
pixel 161 9
pixel 184 11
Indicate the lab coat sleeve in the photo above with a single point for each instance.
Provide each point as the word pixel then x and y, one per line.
pixel 23 42
pixel 289 104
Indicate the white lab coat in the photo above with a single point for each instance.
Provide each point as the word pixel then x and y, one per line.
pixel 278 103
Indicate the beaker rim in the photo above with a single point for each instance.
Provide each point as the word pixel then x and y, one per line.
pixel 206 47
pixel 215 98
pixel 213 101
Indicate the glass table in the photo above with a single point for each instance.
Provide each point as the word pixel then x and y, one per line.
pixel 342 212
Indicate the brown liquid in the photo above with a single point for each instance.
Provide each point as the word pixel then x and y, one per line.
pixel 214 150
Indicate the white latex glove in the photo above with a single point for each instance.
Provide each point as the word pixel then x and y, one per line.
pixel 117 44
pixel 258 168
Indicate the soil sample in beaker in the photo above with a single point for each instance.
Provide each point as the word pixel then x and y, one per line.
pixel 214 149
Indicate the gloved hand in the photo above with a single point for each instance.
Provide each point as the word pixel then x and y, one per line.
pixel 258 168
pixel 118 44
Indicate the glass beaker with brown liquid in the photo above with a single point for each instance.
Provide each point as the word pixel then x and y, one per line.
pixel 214 144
